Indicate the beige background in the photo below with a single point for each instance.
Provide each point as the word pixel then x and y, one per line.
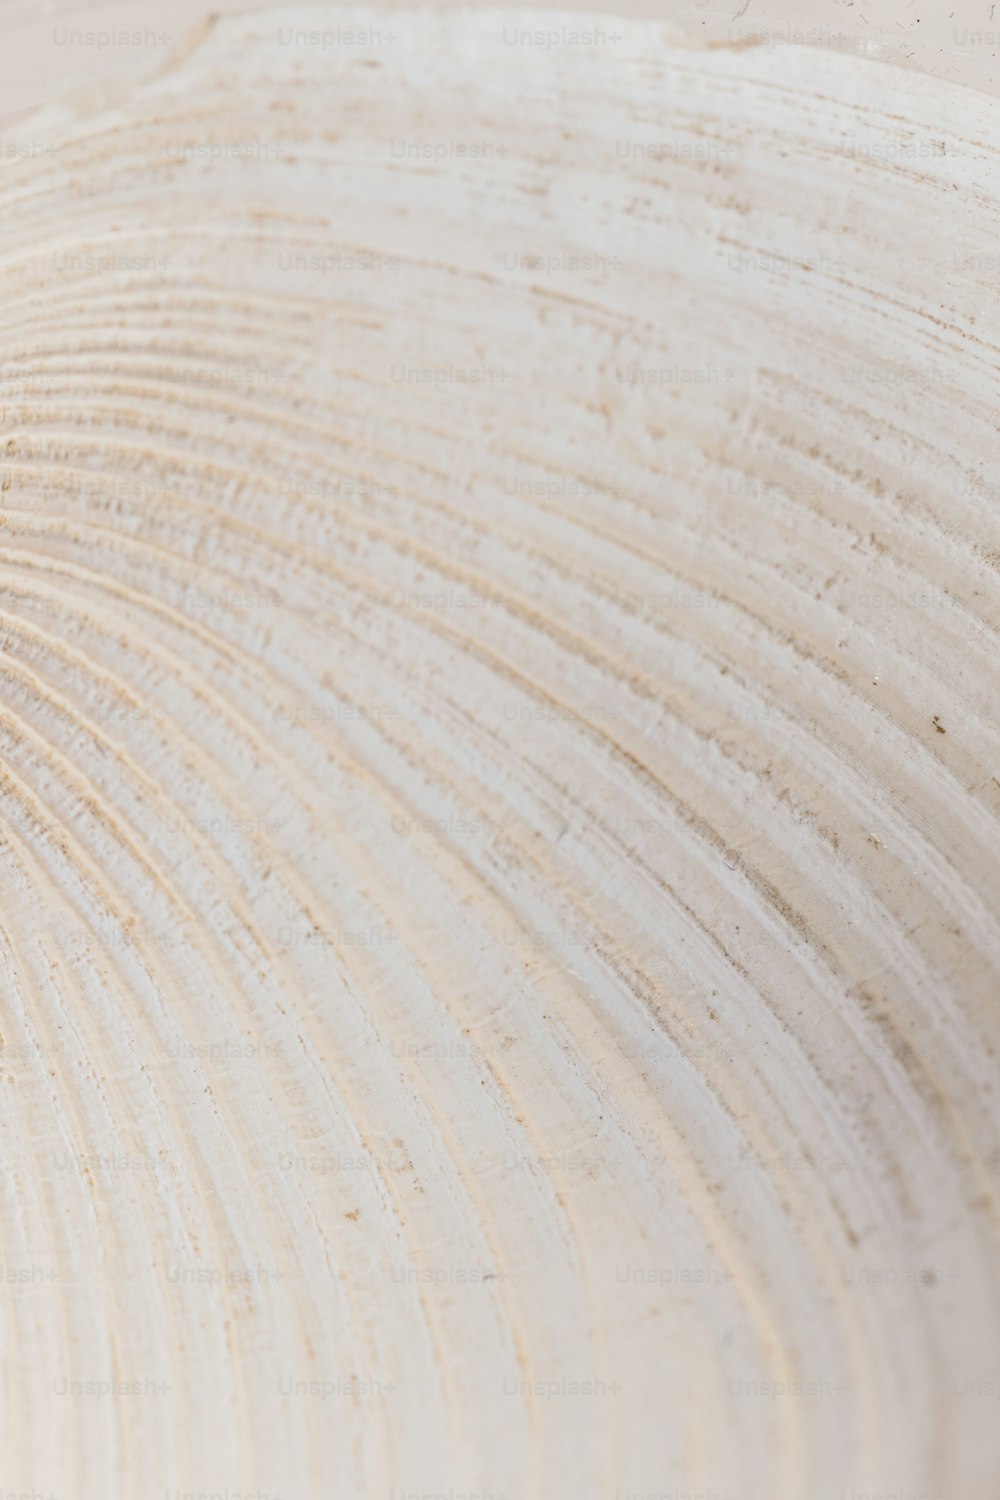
pixel 952 38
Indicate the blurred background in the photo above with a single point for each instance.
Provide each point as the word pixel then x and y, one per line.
pixel 85 53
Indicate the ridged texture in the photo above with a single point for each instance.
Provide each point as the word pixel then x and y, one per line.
pixel 499 875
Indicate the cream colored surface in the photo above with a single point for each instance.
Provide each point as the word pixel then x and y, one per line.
pixel 83 46
pixel 499 597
